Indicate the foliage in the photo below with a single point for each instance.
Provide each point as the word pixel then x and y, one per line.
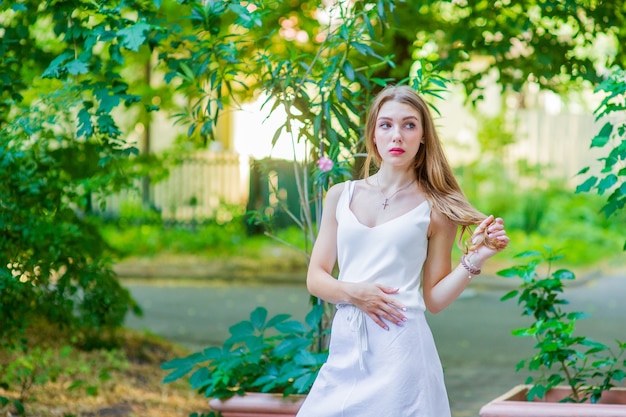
pixel 141 232
pixel 41 366
pixel 121 380
pixel 611 137
pixel 54 258
pixel 539 209
pixel 323 85
pixel 84 67
pixel 587 366
pixel 275 355
pixel 61 80
pixel 555 44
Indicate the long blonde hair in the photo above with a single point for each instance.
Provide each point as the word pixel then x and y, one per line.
pixel 432 170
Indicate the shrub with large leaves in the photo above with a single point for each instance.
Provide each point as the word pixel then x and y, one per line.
pixel 277 355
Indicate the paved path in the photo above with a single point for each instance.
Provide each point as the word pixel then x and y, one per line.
pixel 473 335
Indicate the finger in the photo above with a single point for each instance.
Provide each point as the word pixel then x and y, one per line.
pixel 480 229
pixel 392 316
pixel 388 290
pixel 378 320
pixel 495 226
pixel 485 223
pixel 497 233
pixel 505 239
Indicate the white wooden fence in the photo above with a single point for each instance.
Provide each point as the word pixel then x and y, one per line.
pixel 200 184
pixel 558 142
pixel 194 189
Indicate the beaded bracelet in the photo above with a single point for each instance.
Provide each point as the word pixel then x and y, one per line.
pixel 472 269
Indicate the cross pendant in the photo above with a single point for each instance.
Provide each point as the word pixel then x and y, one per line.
pixel 385 203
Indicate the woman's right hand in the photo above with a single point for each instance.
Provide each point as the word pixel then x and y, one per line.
pixel 376 301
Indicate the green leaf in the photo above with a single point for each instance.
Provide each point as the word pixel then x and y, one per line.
pixel 550 346
pixel 291 327
pixel 514 271
pixel 364 49
pixel 279 318
pixel 523 332
pixel 241 329
pixel 606 183
pixel 528 254
pixel 304 383
pixel 578 315
pixel 348 70
pixel 55 67
pixel 603 137
pixel 85 126
pixel 76 67
pixel 306 358
pixel 18 7
pixel 107 100
pixel 314 317
pixel 189 360
pixel 290 347
pixel 509 295
pixel 339 91
pixel 563 274
pixel 199 378
pixel 134 36
pixel 258 317
pixel 538 391
pixel 177 374
pixel 587 185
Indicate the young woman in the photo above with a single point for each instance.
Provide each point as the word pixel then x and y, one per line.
pixel 392 235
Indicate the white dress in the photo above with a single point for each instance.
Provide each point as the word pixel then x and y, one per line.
pixel 372 372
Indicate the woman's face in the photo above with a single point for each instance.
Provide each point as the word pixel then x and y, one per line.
pixel 398 133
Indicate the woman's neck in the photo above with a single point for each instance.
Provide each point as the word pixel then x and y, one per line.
pixel 394 178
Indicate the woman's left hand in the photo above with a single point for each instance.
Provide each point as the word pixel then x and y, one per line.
pixel 495 232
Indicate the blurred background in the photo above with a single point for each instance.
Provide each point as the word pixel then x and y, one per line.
pixel 159 176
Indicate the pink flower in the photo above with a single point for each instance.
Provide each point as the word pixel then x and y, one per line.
pixel 325 164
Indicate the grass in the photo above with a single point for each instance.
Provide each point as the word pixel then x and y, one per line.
pixel 60 379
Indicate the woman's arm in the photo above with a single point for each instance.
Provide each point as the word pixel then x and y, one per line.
pixel 319 280
pixel 441 284
pixel 372 299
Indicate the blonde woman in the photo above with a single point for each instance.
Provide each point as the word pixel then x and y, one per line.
pixel 392 235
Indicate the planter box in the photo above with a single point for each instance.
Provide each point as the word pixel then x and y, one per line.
pixel 258 405
pixel 515 404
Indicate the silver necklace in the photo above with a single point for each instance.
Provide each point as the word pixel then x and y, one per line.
pixel 386 202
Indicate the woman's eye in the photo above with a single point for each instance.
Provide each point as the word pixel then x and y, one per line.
pixel 385 125
pixel 410 125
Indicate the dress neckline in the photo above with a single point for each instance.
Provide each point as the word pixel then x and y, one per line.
pixel 388 221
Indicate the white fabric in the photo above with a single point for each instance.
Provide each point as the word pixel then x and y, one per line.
pixel 392 253
pixel 372 372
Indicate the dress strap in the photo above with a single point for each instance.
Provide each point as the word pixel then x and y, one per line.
pixel 350 185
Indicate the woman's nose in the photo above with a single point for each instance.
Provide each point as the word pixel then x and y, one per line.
pixel 396 136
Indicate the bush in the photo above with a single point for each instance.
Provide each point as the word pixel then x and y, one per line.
pixel 54 259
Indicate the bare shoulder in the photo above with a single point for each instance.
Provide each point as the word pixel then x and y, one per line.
pixel 333 193
pixel 440 224
pixel 336 190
